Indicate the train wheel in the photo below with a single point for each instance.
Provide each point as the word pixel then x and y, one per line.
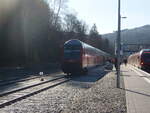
pixel 68 74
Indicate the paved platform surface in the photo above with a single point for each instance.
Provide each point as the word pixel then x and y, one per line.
pixel 137 87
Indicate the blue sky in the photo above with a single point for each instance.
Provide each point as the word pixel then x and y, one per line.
pixel 104 13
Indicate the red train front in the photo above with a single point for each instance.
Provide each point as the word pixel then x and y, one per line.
pixel 145 59
pixel 140 59
pixel 78 57
pixel 72 56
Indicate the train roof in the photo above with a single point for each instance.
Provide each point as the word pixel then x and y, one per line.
pixel 144 50
pixel 80 43
pixel 140 52
pixel 73 41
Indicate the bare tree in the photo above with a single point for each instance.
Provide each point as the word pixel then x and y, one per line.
pixel 57 6
pixel 75 27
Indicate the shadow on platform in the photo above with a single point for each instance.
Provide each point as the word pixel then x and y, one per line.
pixel 148 95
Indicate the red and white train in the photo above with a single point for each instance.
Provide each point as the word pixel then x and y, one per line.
pixel 78 57
pixel 140 59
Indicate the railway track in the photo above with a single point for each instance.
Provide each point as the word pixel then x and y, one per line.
pixel 13 96
pixel 13 81
pixel 16 80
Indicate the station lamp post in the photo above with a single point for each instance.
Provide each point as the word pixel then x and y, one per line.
pixel 118 46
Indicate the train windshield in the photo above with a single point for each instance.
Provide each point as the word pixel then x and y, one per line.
pixel 146 56
pixel 72 51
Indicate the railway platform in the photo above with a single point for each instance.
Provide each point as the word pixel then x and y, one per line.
pixel 137 88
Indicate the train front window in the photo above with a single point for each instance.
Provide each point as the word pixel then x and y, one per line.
pixel 146 57
pixel 72 47
pixel 72 52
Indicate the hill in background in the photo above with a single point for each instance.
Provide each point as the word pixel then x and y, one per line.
pixel 139 35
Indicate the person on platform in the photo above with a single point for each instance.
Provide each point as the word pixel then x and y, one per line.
pixel 115 63
pixel 125 62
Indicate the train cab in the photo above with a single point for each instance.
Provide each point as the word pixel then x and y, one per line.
pixel 145 59
pixel 71 59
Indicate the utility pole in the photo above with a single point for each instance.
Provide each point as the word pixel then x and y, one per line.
pixel 118 46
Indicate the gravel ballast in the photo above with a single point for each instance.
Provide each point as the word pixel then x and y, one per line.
pixel 103 97
pixel 83 94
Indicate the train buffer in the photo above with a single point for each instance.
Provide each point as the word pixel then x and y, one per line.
pixel 137 88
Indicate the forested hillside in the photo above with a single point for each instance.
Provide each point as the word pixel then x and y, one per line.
pixel 139 35
pixel 33 31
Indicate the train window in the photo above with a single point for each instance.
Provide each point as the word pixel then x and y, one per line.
pixel 72 47
pixel 71 54
pixel 146 56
